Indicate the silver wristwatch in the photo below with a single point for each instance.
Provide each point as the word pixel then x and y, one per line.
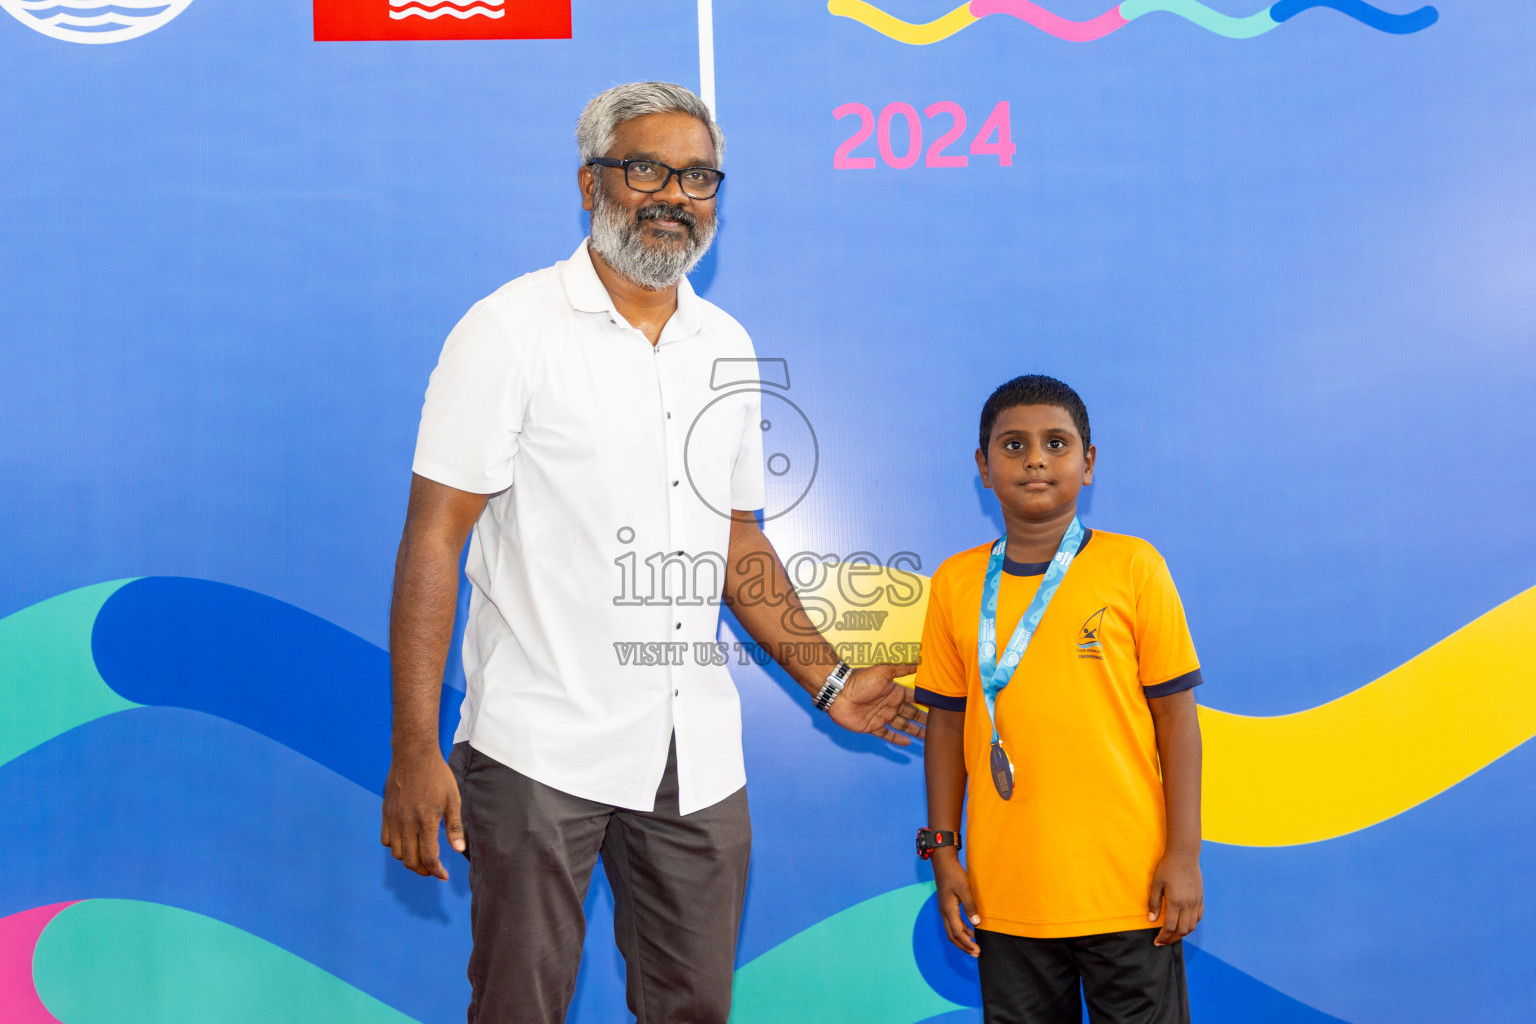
pixel 833 686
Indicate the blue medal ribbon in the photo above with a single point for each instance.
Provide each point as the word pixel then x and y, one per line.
pixel 997 671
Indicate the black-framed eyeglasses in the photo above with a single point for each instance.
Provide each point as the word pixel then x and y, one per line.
pixel 653 175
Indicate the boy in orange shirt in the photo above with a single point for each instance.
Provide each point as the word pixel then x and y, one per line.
pixel 1060 674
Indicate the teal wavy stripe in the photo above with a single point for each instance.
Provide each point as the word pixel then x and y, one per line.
pixel 47 673
pixel 1205 17
pixel 129 962
pixel 855 967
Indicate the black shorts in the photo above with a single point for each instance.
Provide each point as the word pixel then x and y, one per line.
pixel 1124 979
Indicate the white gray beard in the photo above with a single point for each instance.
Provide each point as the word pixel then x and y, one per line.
pixel 619 240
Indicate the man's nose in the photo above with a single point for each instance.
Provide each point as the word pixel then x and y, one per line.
pixel 672 191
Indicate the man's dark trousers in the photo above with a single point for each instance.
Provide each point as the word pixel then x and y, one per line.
pixel 678 885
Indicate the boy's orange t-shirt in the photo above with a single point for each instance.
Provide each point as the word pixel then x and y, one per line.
pixel 1072 853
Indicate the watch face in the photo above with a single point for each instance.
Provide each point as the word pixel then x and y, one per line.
pixel 929 840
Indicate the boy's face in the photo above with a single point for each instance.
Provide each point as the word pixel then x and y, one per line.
pixel 1035 462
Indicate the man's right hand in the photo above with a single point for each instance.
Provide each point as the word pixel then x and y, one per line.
pixel 956 905
pixel 420 791
pixel 419 794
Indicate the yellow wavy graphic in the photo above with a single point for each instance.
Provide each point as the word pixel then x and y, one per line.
pixel 904 31
pixel 1327 771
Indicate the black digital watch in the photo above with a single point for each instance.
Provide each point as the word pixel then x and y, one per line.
pixel 929 839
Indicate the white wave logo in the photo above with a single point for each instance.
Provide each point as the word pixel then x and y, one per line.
pixel 427 9
pixel 94 21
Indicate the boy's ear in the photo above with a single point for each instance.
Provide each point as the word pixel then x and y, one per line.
pixel 981 467
pixel 1088 457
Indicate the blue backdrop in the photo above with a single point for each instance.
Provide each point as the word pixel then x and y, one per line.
pixel 1292 276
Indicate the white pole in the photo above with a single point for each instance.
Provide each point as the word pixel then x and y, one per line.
pixel 707 55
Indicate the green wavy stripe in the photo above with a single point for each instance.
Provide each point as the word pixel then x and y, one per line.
pixel 855 967
pixel 48 679
pixel 127 962
pixel 1211 21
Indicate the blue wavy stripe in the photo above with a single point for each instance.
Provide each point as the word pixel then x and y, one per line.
pixel 1218 991
pixel 185 809
pixel 248 658
pixel 91 12
pixel 1375 17
pixel 1384 959
pixel 111 26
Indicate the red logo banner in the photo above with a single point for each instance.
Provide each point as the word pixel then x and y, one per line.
pixel 359 20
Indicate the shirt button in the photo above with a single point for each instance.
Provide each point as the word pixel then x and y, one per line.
pixel 674 483
pixel 679 625
pixel 669 415
pixel 677 693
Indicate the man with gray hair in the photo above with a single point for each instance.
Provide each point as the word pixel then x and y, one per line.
pixel 556 427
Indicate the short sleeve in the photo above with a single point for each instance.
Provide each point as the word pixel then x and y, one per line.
pixel 941 680
pixel 474 407
pixel 747 490
pixel 1165 652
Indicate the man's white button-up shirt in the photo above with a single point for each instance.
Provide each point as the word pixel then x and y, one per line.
pixel 597 565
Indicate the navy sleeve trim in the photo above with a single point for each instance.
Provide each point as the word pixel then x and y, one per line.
pixel 938 700
pixel 1178 684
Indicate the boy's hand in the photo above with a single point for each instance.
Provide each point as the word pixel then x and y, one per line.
pixel 872 701
pixel 956 905
pixel 1179 893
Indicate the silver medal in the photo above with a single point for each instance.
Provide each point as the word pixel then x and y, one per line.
pixel 1002 771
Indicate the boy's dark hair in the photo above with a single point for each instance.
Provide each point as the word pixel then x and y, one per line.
pixel 1034 389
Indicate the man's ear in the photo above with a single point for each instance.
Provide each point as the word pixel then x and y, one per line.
pixel 1088 457
pixel 981 467
pixel 586 180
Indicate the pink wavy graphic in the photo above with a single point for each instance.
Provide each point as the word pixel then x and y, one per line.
pixel 1055 24
pixel 18 939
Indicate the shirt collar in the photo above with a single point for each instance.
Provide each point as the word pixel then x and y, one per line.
pixel 1013 568
pixel 686 321
pixel 586 293
pixel 583 287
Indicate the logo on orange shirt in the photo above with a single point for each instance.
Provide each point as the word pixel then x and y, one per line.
pixel 366 20
pixel 1088 643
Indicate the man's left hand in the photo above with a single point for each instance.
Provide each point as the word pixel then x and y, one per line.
pixel 872 701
